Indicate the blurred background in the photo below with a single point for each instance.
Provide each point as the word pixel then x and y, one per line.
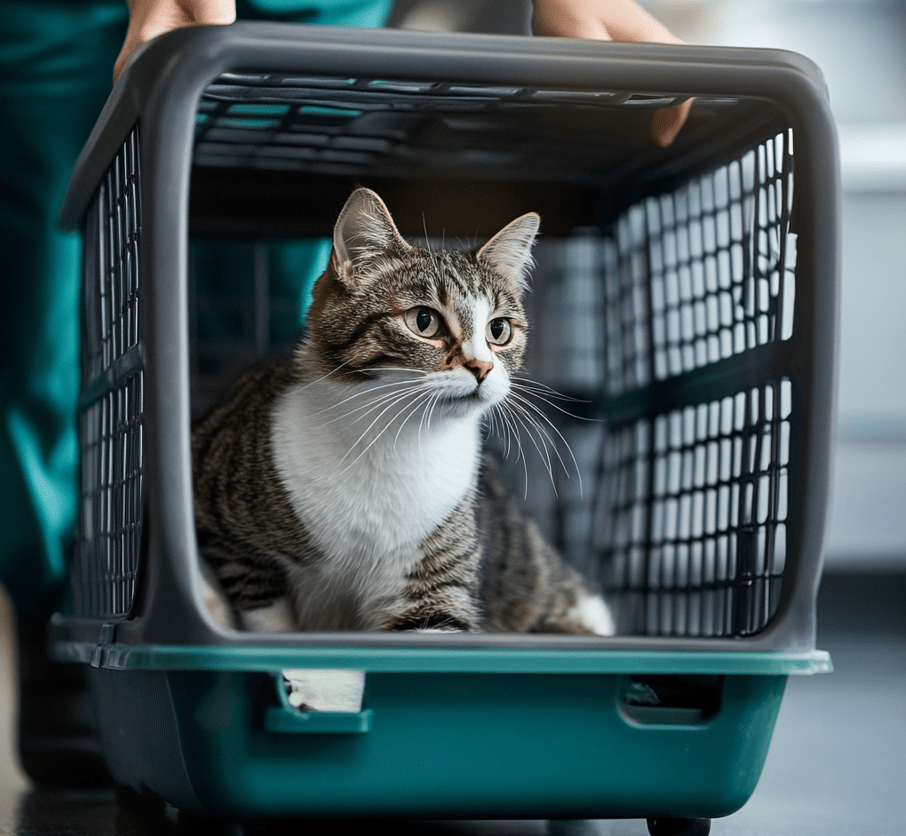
pixel 860 45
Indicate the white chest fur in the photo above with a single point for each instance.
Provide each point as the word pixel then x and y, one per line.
pixel 368 501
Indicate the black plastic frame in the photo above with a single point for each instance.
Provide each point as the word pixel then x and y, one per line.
pixel 159 91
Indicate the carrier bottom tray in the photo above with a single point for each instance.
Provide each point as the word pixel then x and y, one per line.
pixel 676 739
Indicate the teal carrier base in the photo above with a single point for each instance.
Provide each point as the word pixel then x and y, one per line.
pixel 685 297
pixel 462 739
pixel 472 744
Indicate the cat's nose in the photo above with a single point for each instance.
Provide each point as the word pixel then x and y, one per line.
pixel 480 368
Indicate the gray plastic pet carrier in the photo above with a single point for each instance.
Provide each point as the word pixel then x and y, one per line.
pixel 684 297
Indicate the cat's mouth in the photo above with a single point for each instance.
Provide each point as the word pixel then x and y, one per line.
pixel 458 397
pixel 476 397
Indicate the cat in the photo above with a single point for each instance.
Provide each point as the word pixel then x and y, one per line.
pixel 344 487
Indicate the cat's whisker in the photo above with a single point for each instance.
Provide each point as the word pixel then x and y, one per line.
pixel 491 425
pixel 533 423
pixel 508 435
pixel 367 447
pixel 370 443
pixel 426 396
pixel 548 443
pixel 324 377
pixel 429 408
pixel 393 402
pixel 352 397
pixel 511 438
pixel 521 387
pixel 427 239
pixel 514 433
pixel 536 386
pixel 541 448
pixel 520 453
pixel 438 401
pixel 364 393
pixel 371 406
pixel 424 372
pixel 369 409
pixel 499 428
pixel 388 400
pixel 526 405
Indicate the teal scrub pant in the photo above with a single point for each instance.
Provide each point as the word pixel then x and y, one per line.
pixel 56 60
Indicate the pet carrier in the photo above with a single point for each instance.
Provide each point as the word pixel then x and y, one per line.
pixel 686 297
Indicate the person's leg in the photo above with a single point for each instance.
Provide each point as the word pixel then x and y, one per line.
pixel 55 61
pixel 55 64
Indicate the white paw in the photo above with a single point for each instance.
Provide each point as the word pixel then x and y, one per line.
pixel 216 602
pixel 274 618
pixel 327 689
pixel 593 613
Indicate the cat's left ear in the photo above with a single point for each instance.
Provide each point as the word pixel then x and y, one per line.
pixel 509 252
pixel 364 231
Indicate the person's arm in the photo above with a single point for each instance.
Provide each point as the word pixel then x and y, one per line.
pixel 612 20
pixel 150 18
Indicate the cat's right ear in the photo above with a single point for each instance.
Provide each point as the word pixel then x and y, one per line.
pixel 363 233
pixel 510 250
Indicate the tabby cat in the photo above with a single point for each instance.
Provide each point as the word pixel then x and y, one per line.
pixel 344 488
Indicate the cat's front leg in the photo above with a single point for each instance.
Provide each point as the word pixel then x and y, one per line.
pixel 427 619
pixel 441 593
pixel 275 617
pixel 243 589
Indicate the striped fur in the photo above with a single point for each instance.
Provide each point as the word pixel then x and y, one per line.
pixel 343 488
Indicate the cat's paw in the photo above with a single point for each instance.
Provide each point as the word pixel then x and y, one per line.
pixel 276 617
pixel 593 613
pixel 440 622
pixel 215 601
pixel 327 689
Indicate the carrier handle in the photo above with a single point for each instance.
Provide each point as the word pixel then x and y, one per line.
pixel 289 720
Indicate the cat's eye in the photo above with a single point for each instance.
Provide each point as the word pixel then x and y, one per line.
pixel 499 331
pixel 424 322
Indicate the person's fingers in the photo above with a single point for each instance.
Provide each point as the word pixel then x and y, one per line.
pixel 612 20
pixel 150 18
pixel 129 44
pixel 616 20
pixel 553 18
pixel 668 121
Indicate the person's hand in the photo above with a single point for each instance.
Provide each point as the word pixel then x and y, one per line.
pixel 612 20
pixel 150 18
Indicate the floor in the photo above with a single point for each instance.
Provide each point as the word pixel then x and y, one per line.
pixel 837 763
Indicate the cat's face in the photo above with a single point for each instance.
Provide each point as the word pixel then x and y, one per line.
pixel 453 320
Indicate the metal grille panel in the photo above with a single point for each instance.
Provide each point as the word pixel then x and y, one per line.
pixel 692 512
pixel 111 423
pixel 703 273
pixel 342 126
pixel 658 328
